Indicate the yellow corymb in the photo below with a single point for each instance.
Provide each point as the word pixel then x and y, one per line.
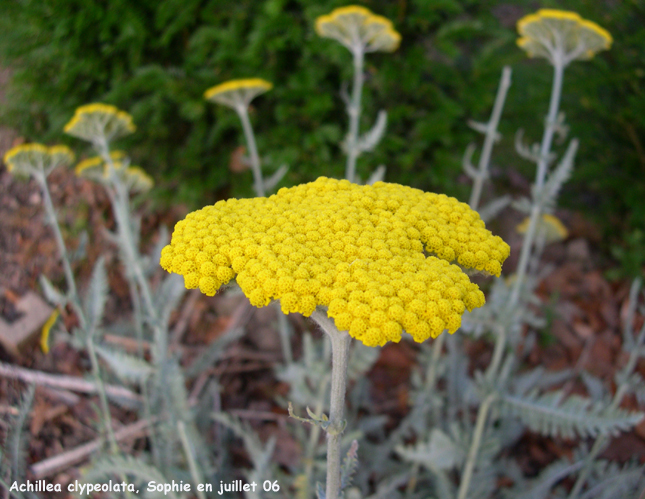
pixel 235 93
pixel 25 159
pixel 561 36
pixel 95 168
pixel 99 121
pixel 549 226
pixel 358 250
pixel 356 27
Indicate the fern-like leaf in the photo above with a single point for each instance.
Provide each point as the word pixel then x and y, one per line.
pixel 124 465
pixel 167 298
pixel 560 175
pixel 361 360
pixel 97 294
pixel 127 367
pixel 350 463
pixel 549 415
pixel 369 140
pixel 15 437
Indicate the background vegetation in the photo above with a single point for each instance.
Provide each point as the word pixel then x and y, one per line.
pixel 156 58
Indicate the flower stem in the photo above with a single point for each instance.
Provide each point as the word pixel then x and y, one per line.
pixel 354 111
pixel 78 309
pixel 491 131
pixel 339 355
pixel 243 113
pixel 53 222
pixel 543 163
pixel 469 467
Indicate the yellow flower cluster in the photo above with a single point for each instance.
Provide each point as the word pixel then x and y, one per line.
pixel 26 159
pixel 549 226
pixel 558 34
pixel 358 250
pixel 96 169
pixel 234 93
pixel 358 27
pixel 96 121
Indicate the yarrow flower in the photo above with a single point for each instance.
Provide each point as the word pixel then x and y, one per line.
pixel 358 250
pixel 95 168
pixel 27 159
pixel 561 36
pixel 237 93
pixel 97 121
pixel 358 28
pixel 549 226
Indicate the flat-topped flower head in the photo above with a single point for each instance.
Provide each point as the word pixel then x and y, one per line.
pixel 237 93
pixel 94 122
pixel 561 36
pixel 28 159
pixel 96 169
pixel 357 250
pixel 357 28
pixel 549 226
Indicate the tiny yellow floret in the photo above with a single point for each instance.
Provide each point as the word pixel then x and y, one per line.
pixel 375 292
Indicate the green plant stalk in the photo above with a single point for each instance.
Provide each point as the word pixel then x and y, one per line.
pixel 114 448
pixel 480 425
pixel 618 398
pixel 314 436
pixel 354 112
pixel 339 356
pixel 121 207
pixel 285 340
pixel 543 163
pixel 258 182
pixel 78 309
pixel 192 465
pixel 62 250
pixel 489 141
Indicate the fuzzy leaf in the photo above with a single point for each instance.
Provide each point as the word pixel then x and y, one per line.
pixel 81 250
pixel 131 466
pixel 52 295
pixel 350 463
pixel 96 296
pixel 361 360
pixel 369 140
pixel 561 174
pixel 441 452
pixel 273 180
pixel 492 209
pixel 377 175
pixel 152 261
pixel 127 367
pixel 549 415
pixel 168 295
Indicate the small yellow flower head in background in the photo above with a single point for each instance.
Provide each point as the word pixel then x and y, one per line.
pixel 28 159
pixel 357 250
pixel 549 226
pixel 237 93
pixel 561 36
pixel 94 122
pixel 96 169
pixel 357 28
